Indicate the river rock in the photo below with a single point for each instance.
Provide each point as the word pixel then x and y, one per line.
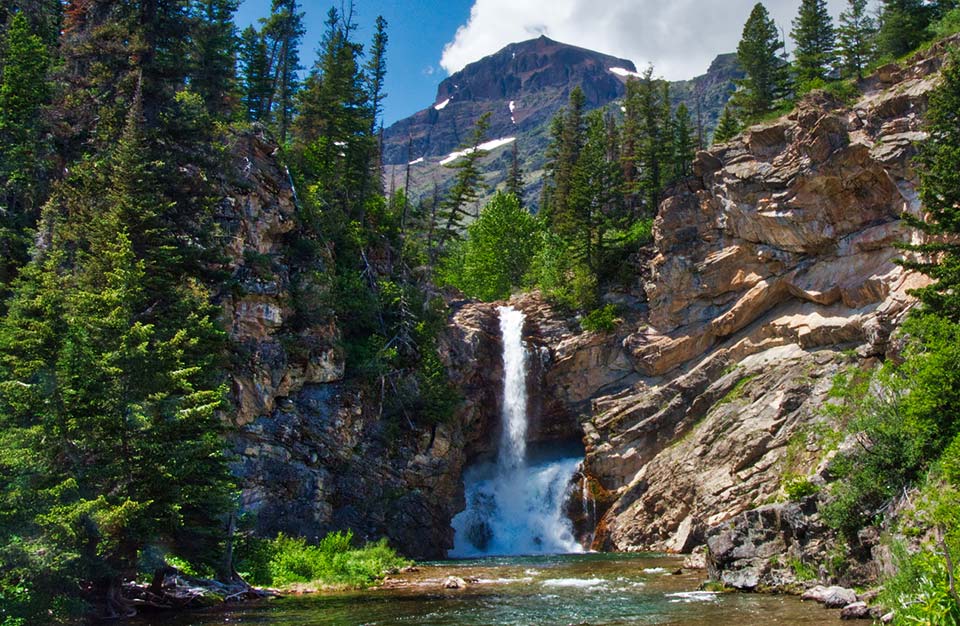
pixel 832 597
pixel 454 582
pixel 856 610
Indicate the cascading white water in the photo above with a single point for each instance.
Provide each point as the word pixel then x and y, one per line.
pixel 515 506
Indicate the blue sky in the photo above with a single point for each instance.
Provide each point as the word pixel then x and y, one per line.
pixel 431 38
pixel 418 31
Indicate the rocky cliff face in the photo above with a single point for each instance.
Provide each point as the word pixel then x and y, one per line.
pixel 311 454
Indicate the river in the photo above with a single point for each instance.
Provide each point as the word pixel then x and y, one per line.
pixel 577 589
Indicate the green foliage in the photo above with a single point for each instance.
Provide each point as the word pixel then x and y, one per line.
pixel 919 592
pixel 466 188
pixel 728 126
pixel 856 39
pixel 939 169
pixel 902 429
pixel 814 38
pixel 108 359
pixel 24 149
pixel 496 255
pixel 903 26
pixel 798 487
pixel 602 320
pixel 803 571
pixel 335 561
pixel 766 82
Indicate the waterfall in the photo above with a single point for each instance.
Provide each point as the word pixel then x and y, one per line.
pixel 516 505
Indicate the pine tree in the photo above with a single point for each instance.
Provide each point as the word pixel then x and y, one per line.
pixel 24 91
pixel 214 53
pixel 113 355
pixel 727 128
pixel 856 39
pixel 596 199
pixel 765 82
pixel 376 71
pixel 939 169
pixel 333 133
pixel 569 132
pixel 814 41
pixel 467 184
pixel 256 85
pixel 903 26
pixel 514 184
pixel 684 148
pixel 283 31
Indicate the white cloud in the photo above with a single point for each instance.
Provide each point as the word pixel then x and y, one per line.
pixel 680 37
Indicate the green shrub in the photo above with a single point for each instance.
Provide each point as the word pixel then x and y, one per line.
pixel 333 561
pixel 799 487
pixel 904 426
pixel 603 320
pixel 845 91
pixel 803 571
pixel 919 593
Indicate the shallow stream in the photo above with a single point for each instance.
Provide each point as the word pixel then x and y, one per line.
pixel 570 589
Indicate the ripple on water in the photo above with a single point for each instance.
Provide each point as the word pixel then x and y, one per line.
pixel 573 582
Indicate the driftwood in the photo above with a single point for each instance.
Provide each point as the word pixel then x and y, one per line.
pixel 172 589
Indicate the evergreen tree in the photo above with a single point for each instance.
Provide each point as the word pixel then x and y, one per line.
pixel 596 199
pixel 24 91
pixel 256 84
pixel 903 26
pixel 333 134
pixel 515 175
pixel 856 39
pixel 568 133
pixel 110 356
pixel 684 148
pixel 814 41
pixel 765 82
pixel 376 71
pixel 647 142
pixel 215 48
pixel 283 31
pixel 727 128
pixel 467 184
pixel 939 169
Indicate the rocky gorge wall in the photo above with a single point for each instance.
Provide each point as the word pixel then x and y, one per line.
pixel 773 269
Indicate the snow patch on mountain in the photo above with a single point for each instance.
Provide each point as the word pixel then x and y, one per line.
pixel 621 71
pixel 442 105
pixel 487 146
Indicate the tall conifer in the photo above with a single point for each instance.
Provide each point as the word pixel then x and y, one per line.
pixel 814 41
pixel 765 82
pixel 856 39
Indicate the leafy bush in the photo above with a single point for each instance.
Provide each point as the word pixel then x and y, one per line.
pixel 602 320
pixel 904 425
pixel 919 592
pixel 497 252
pixel 334 561
pixel 799 487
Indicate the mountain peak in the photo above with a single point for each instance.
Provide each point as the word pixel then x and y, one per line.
pixel 532 65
